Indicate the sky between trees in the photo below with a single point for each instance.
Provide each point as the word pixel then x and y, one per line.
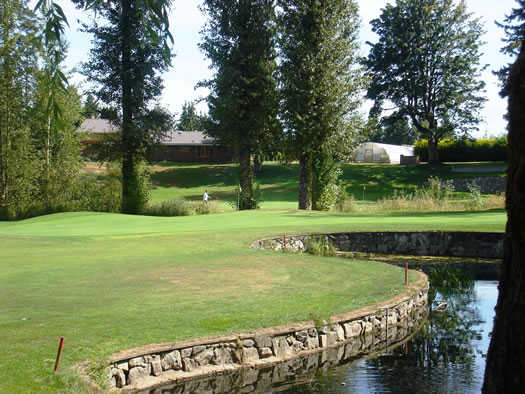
pixel 190 65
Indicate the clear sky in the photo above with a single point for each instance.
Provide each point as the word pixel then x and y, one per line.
pixel 190 65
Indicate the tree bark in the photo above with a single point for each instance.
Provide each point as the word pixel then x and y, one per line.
pixel 305 181
pixel 246 180
pixel 258 163
pixel 505 369
pixel 433 154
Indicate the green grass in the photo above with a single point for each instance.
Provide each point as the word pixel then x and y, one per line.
pixel 279 183
pixel 107 282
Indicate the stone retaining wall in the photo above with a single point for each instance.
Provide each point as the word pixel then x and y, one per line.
pixel 265 378
pixel 488 185
pixel 156 364
pixel 429 243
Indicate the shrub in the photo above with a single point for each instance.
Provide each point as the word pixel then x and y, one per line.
pixel 345 202
pixel 200 208
pixel 320 247
pixel 175 207
pixel 450 149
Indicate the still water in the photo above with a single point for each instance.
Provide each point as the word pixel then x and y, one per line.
pixel 446 355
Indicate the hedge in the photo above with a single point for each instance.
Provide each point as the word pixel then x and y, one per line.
pixel 486 149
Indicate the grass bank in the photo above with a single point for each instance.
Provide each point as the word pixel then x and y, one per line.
pixel 108 282
pixel 279 183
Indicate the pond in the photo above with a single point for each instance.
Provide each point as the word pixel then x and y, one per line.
pixel 447 354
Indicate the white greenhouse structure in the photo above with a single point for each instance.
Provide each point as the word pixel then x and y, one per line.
pixel 373 152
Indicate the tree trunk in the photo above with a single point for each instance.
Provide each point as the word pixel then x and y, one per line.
pixel 258 163
pixel 505 369
pixel 305 181
pixel 433 154
pixel 247 200
pixel 130 183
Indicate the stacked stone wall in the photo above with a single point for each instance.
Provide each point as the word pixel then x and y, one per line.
pixel 430 243
pixel 358 331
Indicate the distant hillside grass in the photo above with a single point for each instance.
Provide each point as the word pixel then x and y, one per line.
pixel 279 183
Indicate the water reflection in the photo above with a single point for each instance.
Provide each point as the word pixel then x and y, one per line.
pixel 446 355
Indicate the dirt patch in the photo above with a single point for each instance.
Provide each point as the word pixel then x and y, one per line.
pixel 217 282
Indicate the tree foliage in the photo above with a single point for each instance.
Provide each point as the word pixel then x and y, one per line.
pixel 190 119
pixel 320 86
pixel 514 28
pixel 131 49
pixel 427 65
pixel 239 39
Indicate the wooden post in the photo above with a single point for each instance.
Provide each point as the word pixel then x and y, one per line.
pixel 60 346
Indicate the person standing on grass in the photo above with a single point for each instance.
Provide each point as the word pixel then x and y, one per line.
pixel 205 197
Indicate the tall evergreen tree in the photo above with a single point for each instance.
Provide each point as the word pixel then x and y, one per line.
pixel 90 107
pixel 427 64
pixel 505 369
pixel 190 119
pixel 320 85
pixel 239 39
pixel 131 48
pixel 514 27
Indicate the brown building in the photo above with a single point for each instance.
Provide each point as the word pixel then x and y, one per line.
pixel 175 146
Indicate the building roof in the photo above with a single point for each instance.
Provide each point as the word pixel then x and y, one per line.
pixel 97 126
pixel 176 137
pixel 172 137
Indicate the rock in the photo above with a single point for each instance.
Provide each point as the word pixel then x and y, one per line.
pixel 248 343
pixel 263 341
pixel 136 362
pixel 250 354
pixel 340 333
pixel 312 332
pixel 204 357
pixel 323 340
pixel 281 347
pixel 185 353
pixel 197 349
pixel 265 352
pixel 123 366
pixel 222 356
pixel 156 367
pixel 352 329
pixel 136 374
pixel 171 361
pixel 290 339
pixel 120 377
pixel 302 335
pixel 312 342
pixel 297 347
pixel 367 327
pixel 331 338
pixel 188 364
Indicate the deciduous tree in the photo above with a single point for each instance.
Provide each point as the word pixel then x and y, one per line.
pixel 426 65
